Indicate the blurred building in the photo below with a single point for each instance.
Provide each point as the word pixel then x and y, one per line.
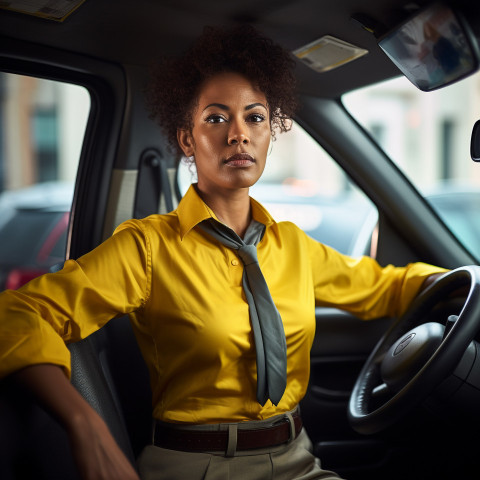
pixel 42 124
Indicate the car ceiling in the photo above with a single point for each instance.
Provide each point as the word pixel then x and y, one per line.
pixel 137 32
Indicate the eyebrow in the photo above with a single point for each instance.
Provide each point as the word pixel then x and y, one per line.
pixel 227 108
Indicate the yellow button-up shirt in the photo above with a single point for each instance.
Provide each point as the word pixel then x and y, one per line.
pixel 183 292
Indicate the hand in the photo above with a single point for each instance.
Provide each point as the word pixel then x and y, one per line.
pixel 97 455
pixel 429 280
pixel 460 292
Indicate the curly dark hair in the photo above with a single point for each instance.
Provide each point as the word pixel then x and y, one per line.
pixel 175 82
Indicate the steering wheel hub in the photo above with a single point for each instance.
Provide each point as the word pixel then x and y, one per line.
pixel 408 354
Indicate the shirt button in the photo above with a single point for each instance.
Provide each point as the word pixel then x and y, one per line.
pixel 234 262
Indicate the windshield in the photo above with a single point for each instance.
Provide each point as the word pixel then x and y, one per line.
pixel 428 136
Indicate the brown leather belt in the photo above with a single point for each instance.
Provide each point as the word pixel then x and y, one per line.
pixel 174 438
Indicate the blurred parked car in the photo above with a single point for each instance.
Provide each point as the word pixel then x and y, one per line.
pixel 33 231
pixel 346 222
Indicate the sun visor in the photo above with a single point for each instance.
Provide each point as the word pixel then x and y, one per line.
pixel 57 10
pixel 328 53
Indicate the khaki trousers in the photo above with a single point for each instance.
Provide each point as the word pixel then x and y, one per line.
pixel 291 461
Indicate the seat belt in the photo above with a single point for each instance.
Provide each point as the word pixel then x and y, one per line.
pixel 156 191
pixel 165 203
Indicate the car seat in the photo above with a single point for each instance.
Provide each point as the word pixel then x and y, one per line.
pixel 109 371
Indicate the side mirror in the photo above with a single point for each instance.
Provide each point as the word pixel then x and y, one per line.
pixel 433 48
pixel 475 142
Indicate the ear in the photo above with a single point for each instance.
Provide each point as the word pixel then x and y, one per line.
pixel 185 140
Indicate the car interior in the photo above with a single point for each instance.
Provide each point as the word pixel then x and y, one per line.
pixel 120 167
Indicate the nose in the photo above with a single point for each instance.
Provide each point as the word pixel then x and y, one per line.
pixel 238 133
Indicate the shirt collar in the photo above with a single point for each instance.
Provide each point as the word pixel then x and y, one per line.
pixel 192 210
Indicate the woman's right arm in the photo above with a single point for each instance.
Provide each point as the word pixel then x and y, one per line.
pixel 96 452
pixel 37 320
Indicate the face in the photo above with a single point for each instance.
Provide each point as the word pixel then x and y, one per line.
pixel 230 135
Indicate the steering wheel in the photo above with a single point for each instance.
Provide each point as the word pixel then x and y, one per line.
pixel 412 359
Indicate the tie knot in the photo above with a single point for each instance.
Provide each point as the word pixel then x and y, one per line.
pixel 248 254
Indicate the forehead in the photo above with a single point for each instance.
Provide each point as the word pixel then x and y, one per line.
pixel 229 88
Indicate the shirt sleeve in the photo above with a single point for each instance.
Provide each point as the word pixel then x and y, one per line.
pixel 363 287
pixel 38 319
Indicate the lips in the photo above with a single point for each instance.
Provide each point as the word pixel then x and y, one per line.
pixel 240 160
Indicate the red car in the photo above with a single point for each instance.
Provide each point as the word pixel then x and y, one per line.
pixel 33 232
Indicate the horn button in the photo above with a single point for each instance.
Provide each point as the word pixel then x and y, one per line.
pixel 410 353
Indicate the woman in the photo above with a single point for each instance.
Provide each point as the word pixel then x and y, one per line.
pixel 193 294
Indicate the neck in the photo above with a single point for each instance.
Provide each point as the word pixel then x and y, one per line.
pixel 231 208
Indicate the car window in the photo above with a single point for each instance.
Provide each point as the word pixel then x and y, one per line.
pixel 42 125
pixel 313 192
pixel 428 136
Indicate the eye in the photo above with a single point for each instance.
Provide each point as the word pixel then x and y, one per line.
pixel 215 118
pixel 256 117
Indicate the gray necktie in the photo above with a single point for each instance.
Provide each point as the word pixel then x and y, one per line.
pixel 267 325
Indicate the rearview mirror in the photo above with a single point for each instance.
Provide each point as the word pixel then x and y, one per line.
pixel 433 48
pixel 475 142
